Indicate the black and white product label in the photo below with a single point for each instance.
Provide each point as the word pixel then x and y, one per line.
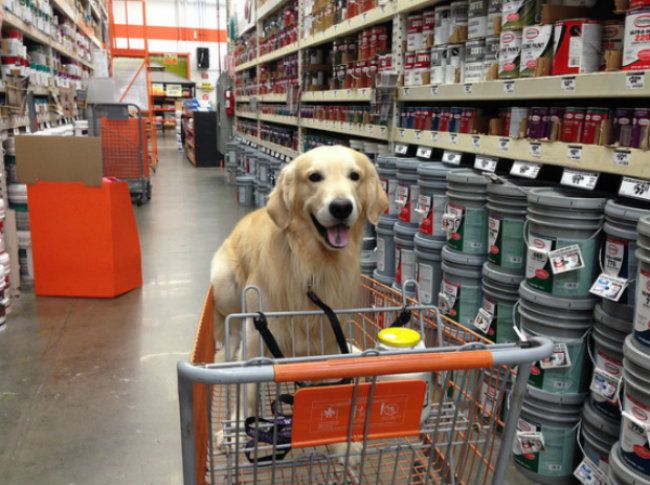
pixel 560 358
pixel 425 282
pixel 536 44
pixel 381 254
pixel 407 261
pixel 509 54
pixel 477 19
pixel 568 258
pixel 588 473
pixel 537 258
pixel 636 43
pixel 605 384
pixel 474 61
pixel 609 287
pixel 391 192
pixel 442 24
pixel 485 316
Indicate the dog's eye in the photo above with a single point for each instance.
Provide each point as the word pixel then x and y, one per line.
pixel 315 177
pixel 354 176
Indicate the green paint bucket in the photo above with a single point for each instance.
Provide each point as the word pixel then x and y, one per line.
pixel 461 290
pixel 466 216
pixel 500 294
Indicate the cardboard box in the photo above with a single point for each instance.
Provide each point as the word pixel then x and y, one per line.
pixel 553 13
pixel 84 237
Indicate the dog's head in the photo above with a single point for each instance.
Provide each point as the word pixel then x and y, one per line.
pixel 331 191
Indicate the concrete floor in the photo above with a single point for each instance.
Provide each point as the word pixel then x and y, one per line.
pixel 88 387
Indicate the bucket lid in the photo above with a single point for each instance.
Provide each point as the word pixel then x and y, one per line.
pixel 406 230
pixel 466 177
pixel 644 226
pixel 566 399
pixel 462 258
pixel 246 179
pixel 385 280
pixel 527 293
pixel 495 273
pixel 387 161
pixel 368 257
pixel 600 422
pixel 387 222
pixel 433 169
pixel 633 351
pixel 565 199
pixel 620 470
pixel 611 322
pixel 629 210
pixel 515 188
pixel 428 243
pixel 408 164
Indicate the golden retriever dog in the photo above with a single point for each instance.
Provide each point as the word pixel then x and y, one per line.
pixel 307 237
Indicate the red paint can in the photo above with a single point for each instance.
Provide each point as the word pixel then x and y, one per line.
pixel 576 46
pixel 593 121
pixel 467 120
pixel 444 119
pixel 573 124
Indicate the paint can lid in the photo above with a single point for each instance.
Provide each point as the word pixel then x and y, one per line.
pixel 565 199
pixel 527 293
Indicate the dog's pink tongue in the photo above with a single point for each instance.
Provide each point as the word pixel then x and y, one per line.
pixel 338 236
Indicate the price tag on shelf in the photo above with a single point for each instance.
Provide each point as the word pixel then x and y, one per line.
pixel 579 179
pixel 467 88
pixel 370 128
pixel 574 152
pixel 476 141
pixel 402 132
pixel 453 158
pixel 568 84
pixel 504 144
pixel 634 80
pixel 383 130
pixel 485 163
pixel 453 138
pixel 509 87
pixel 424 152
pixel 418 134
pixel 535 149
pixel 434 136
pixel 525 169
pixel 406 91
pixel 621 158
pixel 364 91
pixel 401 148
pixel 631 187
pixel 434 89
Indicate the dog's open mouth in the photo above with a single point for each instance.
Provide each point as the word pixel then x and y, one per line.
pixel 336 236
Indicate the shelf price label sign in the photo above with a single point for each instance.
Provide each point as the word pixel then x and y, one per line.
pixel 467 88
pixel 535 149
pixel 476 141
pixel 525 169
pixel 453 137
pixel 504 144
pixel 485 163
pixel 452 158
pixel 631 187
pixel 579 179
pixel 434 90
pixel 509 87
pixel 401 148
pixel 568 84
pixel 634 80
pixel 574 152
pixel 621 158
pixel 424 152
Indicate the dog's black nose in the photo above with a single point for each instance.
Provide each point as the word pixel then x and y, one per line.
pixel 341 208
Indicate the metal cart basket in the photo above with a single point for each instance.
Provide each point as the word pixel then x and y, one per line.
pixel 362 428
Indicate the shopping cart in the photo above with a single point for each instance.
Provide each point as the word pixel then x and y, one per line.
pixel 124 145
pixel 375 434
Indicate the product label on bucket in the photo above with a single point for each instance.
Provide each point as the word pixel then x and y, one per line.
pixel 381 254
pixel 558 359
pixel 620 260
pixel 604 384
pixel 483 320
pixel 613 368
pixel 564 372
pixel 506 242
pixel 498 327
pixel 642 308
pixel 609 287
pixel 588 473
pixel 552 456
pixel 635 428
pixel 425 282
pixel 468 233
pixel 431 209
pixel 568 258
pixel 460 303
pixel 390 187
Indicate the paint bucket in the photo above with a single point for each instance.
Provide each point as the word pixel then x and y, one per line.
pixel 500 294
pixel 262 193
pixel 598 435
pixel 428 270
pixel 619 473
pixel 612 44
pixel 494 17
pixel 566 321
pixel 25 258
pixel 263 167
pixel 636 43
pixel 608 336
pixel 274 170
pixel 536 50
pixel 618 253
pixel 558 423
pixel 465 220
pixel 404 254
pixel 441 31
pixel 386 247
pixel 642 297
pixel 455 67
pixel 559 218
pixel 384 280
pixel 507 203
pixel 461 291
pixel 246 190
pixel 432 200
pixel 477 12
pixel 495 391
pixel 368 262
pixel 414 36
pixel 634 439
pixel 458 21
pixel 474 61
pixel 407 190
pixel 17 194
pixel 517 14
pixel 438 64
pixel 576 46
pixel 386 168
pixel 491 56
pixel 509 54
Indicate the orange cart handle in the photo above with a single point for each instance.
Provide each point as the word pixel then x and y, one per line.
pixel 382 365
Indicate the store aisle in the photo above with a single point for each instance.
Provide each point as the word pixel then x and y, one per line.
pixel 88 387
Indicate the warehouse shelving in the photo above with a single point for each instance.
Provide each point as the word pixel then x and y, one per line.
pixel 376 132
pixel 284 120
pixel 242 99
pixel 338 95
pixel 269 7
pixel 272 98
pixel 246 114
pixel 279 149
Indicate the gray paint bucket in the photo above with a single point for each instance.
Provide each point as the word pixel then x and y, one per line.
pixel 386 168
pixel 635 448
pixel 619 473
pixel 507 203
pixel 369 240
pixel 262 191
pixel 263 168
pixel 246 190
pixel 408 190
pixel 432 180
pixel 368 262
pixel 404 254
pixel 598 435
pixel 618 254
pixel 384 280
pixel 608 336
pixel 568 379
pixel 460 291
pixel 467 212
pixel 386 247
pixel 643 228
pixel 274 170
pixel 558 218
pixel 558 422
pixel 428 270
pixel 500 294
pixel 642 297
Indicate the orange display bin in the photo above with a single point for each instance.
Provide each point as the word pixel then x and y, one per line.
pixel 84 239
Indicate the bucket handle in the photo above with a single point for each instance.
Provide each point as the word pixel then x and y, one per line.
pixel 602 267
pixel 517 326
pixel 527 233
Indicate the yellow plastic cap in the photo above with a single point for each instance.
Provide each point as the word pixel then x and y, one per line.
pixel 399 337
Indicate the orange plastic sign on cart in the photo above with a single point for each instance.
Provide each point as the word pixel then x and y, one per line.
pixel 321 415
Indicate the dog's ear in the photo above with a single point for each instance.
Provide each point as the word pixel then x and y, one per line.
pixel 376 199
pixel 280 204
